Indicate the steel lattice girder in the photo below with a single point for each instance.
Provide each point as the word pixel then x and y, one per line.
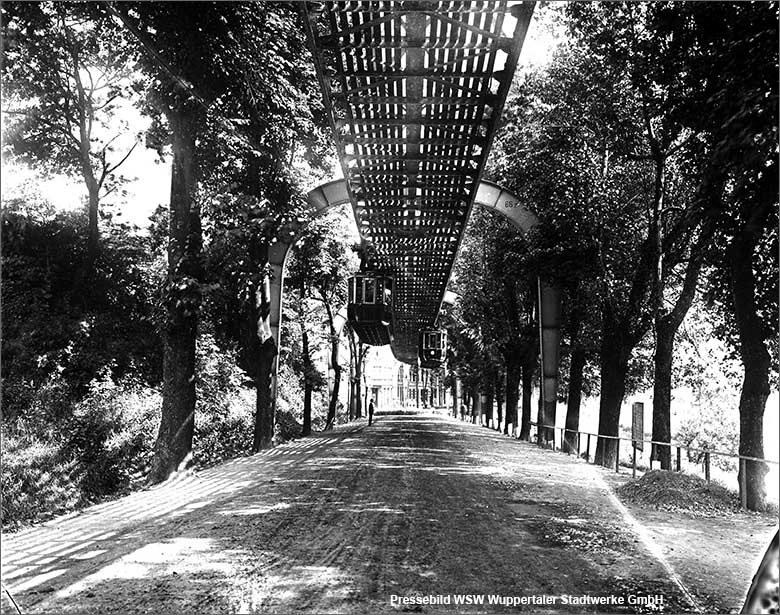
pixel 414 90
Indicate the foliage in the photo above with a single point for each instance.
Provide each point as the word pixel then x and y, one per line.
pixel 246 70
pixel 263 146
pixel 316 291
pixel 286 427
pixel 101 444
pixel 110 434
pixel 712 427
pixel 633 182
pixel 565 152
pixel 492 320
pixel 98 447
pixel 51 327
pixel 323 257
pixel 63 70
pixel 224 411
pixel 38 482
pixel 66 74
pixel 704 363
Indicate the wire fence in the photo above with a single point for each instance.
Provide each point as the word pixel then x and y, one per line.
pixel 697 459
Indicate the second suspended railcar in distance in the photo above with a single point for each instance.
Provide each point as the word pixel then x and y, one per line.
pixel 370 307
pixel 432 348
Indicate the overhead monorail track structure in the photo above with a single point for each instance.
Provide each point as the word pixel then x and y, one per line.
pixel 414 91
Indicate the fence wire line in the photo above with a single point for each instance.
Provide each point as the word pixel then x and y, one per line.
pixel 669 444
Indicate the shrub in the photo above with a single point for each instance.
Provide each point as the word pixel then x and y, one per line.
pixel 37 482
pixel 224 414
pixel 713 428
pixel 286 428
pixel 225 430
pixel 51 404
pixel 111 434
pixel 102 445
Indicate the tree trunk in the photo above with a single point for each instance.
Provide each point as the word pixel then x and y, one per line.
pixel 173 448
pixel 306 430
pixel 257 348
pixel 614 367
pixel 455 402
pixel 662 391
pixel 93 237
pixel 334 397
pixel 513 374
pixel 350 395
pixel 85 122
pixel 264 402
pixel 666 325
pixel 353 374
pixel 499 403
pixel 334 364
pixel 528 370
pixel 577 364
pixel 358 380
pixel 756 361
pixel 358 399
pixel 487 411
pixel 93 234
pixel 569 443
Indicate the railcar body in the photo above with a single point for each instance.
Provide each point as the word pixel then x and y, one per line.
pixel 370 307
pixel 432 348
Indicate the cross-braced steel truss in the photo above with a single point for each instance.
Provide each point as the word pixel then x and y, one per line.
pixel 414 89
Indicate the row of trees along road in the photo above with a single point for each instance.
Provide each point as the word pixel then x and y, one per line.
pixel 231 91
pixel 648 148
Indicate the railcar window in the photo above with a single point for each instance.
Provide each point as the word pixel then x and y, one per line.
pixel 369 291
pixel 358 290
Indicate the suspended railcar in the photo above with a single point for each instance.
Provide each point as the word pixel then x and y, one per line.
pixel 370 307
pixel 432 348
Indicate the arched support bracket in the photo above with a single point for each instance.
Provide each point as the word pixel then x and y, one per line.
pixel 318 201
pixel 492 196
pixel 489 195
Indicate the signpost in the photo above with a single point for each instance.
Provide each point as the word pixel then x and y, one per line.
pixel 637 429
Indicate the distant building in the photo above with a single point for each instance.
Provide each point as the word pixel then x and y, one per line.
pixel 393 384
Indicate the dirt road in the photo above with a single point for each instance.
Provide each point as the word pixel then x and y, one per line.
pixel 419 506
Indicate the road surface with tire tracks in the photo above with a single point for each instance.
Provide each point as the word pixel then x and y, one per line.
pixel 417 506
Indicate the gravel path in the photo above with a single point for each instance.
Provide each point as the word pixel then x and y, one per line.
pixel 416 505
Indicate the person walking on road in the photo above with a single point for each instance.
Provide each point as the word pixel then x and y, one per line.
pixel 370 411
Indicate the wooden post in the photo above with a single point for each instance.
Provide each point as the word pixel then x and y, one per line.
pixel 617 455
pixel 742 483
pixel 578 443
pixel 588 450
pixel 707 466
pixel 679 459
pixel 633 470
pixel 553 438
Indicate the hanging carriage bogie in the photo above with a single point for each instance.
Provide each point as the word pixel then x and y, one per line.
pixel 370 307
pixel 432 348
